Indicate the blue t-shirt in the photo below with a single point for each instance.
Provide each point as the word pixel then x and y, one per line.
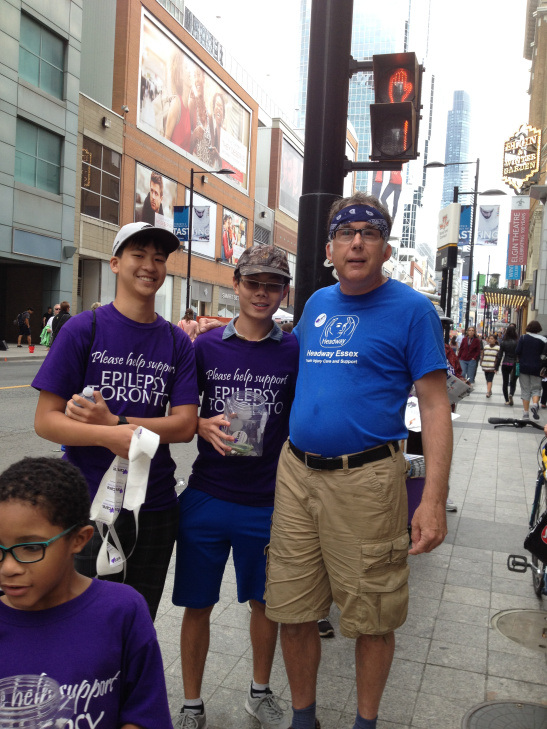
pixel 226 363
pixel 359 356
pixel 139 369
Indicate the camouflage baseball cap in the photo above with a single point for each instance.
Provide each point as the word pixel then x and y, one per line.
pixel 263 259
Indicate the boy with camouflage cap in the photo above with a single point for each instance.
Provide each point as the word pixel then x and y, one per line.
pixel 229 499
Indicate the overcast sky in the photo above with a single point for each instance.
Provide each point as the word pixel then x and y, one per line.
pixel 475 45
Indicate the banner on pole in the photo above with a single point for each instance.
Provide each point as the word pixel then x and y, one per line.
pixel 488 225
pixel 517 250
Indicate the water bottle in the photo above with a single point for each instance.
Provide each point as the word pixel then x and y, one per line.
pixel 87 394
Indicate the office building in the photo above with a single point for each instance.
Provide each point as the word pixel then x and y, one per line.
pixel 457 148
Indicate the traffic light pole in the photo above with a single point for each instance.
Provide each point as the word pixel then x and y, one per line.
pixel 325 141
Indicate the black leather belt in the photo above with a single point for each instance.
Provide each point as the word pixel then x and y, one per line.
pixel 317 463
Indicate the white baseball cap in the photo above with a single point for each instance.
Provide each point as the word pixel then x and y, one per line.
pixel 137 231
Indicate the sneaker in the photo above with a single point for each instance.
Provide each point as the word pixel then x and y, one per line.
pixel 535 411
pixel 325 628
pixel 190 720
pixel 510 400
pixel 266 709
pixel 450 505
pixel 526 415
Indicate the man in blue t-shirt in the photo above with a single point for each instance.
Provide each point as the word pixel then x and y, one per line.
pixel 339 529
pixel 229 500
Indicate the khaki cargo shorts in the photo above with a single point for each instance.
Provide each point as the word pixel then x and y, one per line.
pixel 339 535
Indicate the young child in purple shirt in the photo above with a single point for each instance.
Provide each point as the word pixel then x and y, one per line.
pixel 94 638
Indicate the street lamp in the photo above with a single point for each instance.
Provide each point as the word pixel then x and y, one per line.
pixel 475 192
pixel 223 171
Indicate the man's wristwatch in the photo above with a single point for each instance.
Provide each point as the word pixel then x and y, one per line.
pixel 122 420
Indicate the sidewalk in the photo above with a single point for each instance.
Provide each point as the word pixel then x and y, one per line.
pixel 448 658
pixel 22 354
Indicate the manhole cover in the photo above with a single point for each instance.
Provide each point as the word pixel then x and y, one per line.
pixel 506 715
pixel 526 627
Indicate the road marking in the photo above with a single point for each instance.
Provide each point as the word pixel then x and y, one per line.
pixel 13 387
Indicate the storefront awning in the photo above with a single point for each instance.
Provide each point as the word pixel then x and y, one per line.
pixel 513 298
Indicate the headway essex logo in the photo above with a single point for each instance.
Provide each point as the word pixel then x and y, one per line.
pixel 338 331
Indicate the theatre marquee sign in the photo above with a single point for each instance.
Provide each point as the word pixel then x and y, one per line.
pixel 521 156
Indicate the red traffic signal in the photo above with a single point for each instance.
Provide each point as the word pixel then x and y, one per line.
pixel 394 118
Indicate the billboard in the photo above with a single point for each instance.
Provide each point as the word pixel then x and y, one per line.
pixel 234 236
pixel 290 179
pixel 185 106
pixel 155 197
pixel 517 250
pixel 488 225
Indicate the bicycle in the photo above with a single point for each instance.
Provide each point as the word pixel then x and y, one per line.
pixel 520 563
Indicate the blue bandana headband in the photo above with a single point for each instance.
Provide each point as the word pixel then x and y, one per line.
pixel 356 214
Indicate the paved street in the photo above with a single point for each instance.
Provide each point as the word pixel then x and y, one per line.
pixel 448 658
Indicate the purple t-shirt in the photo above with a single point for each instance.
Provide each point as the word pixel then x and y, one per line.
pixel 100 647
pixel 224 365
pixel 138 368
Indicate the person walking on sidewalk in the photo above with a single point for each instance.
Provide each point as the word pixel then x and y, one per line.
pixel 507 358
pixel 529 350
pixel 23 320
pixel 339 529
pixel 469 354
pixel 229 499
pixel 489 356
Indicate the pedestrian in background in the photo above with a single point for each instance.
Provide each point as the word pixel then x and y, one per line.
pixel 469 354
pixel 507 356
pixel 488 362
pixel 23 320
pixel 529 350
pixel 59 319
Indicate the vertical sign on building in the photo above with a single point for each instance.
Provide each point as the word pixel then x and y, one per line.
pixel 517 250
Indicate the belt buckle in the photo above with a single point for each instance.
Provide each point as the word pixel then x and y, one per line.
pixel 307 464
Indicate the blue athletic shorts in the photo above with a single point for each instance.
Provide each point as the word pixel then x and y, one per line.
pixel 208 528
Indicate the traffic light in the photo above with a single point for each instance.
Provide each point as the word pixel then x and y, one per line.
pixel 395 117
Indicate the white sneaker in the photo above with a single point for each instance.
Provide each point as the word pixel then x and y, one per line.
pixel 535 411
pixel 266 709
pixel 190 720
pixel 526 415
pixel 450 505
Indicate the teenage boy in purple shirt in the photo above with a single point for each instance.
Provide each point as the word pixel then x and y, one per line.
pixel 142 371
pixel 229 500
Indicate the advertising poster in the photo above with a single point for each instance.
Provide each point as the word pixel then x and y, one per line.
pixel 234 236
pixel 517 250
pixel 488 225
pixel 465 226
pixel 290 182
pixel 155 197
pixel 184 105
pixel 204 218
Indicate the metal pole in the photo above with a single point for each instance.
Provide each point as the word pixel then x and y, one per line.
pixel 190 221
pixel 325 135
pixel 472 246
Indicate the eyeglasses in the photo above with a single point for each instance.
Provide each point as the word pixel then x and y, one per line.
pixel 270 287
pixel 57 308
pixel 31 551
pixel 346 235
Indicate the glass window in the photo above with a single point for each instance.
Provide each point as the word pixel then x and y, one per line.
pixel 41 57
pixel 100 181
pixel 37 157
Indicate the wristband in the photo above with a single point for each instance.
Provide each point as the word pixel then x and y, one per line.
pixel 122 420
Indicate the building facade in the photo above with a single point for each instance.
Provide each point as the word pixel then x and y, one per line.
pixel 40 72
